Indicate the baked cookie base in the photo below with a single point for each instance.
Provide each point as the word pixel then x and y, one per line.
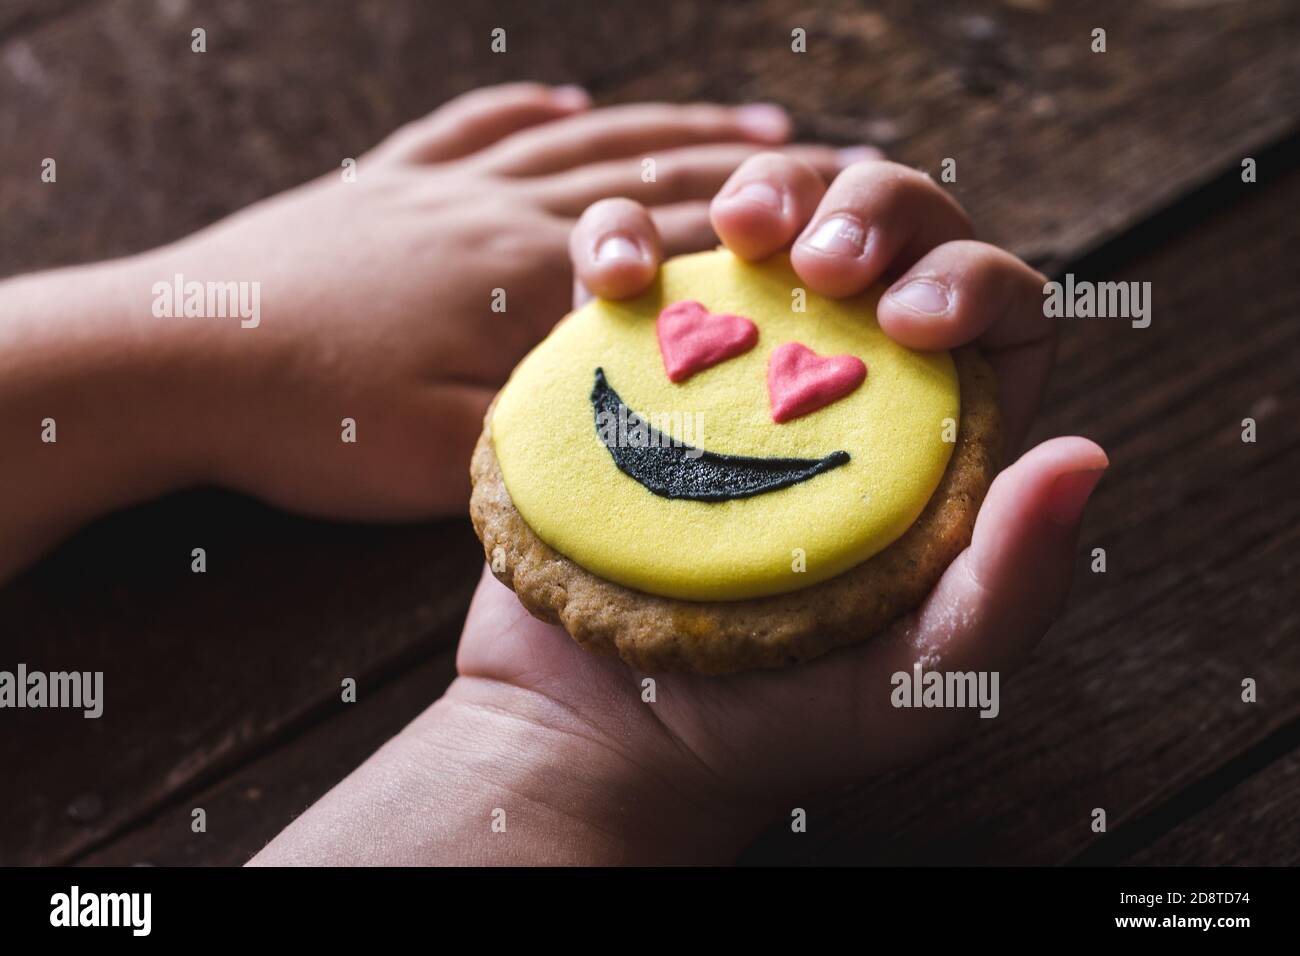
pixel 654 633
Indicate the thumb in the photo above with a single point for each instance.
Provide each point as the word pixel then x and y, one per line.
pixel 992 605
pixel 1011 583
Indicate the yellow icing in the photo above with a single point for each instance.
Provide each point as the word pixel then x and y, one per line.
pixel 567 487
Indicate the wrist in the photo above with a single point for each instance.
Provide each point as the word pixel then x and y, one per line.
pixel 93 393
pixel 612 789
pixel 496 774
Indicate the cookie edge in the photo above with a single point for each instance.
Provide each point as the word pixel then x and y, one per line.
pixel 662 634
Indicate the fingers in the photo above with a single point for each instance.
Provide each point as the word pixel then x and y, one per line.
pixel 876 218
pixel 765 202
pixel 962 291
pixel 616 249
pixel 682 228
pixel 967 291
pixel 692 172
pixel 478 119
pixel 636 130
pixel 610 244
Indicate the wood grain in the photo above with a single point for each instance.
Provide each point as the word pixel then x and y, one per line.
pixel 1256 824
pixel 203 672
pixel 1058 150
pixel 248 807
pixel 1057 147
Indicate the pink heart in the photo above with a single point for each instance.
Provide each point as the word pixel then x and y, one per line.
pixel 691 338
pixel 800 381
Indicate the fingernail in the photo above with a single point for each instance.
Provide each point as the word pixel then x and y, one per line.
pixel 618 247
pixel 837 236
pixel 764 121
pixel 759 194
pixel 922 295
pixel 1069 494
pixel 857 154
pixel 571 95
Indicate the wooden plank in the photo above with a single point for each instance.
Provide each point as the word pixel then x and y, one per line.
pixel 154 141
pixel 1057 147
pixel 250 806
pixel 1255 824
pixel 1056 150
pixel 204 671
pixel 1136 694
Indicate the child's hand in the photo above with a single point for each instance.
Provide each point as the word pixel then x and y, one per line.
pixel 377 296
pixel 376 304
pixel 757 738
pixel 561 739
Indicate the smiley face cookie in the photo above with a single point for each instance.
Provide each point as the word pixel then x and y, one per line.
pixel 730 472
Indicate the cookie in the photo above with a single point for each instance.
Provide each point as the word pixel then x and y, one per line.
pixel 730 472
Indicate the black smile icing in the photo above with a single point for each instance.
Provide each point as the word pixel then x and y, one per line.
pixel 674 470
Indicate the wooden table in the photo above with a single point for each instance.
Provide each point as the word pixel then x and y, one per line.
pixel 223 688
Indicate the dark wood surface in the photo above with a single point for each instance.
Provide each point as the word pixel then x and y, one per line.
pixel 225 689
pixel 1254 824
